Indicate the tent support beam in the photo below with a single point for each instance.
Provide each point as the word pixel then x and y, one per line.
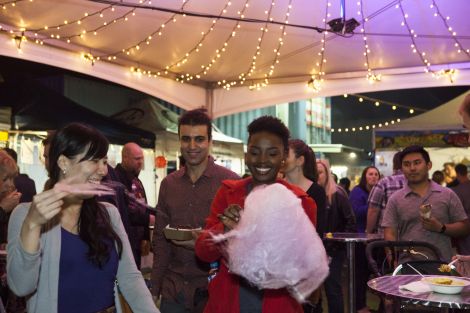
pixel 210 101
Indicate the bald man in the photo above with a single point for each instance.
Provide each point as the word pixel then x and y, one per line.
pixel 127 172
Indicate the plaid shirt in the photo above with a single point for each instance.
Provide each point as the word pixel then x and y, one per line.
pixel 381 192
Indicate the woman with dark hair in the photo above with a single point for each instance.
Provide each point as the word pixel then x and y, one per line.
pixel 266 154
pixel 359 195
pixel 66 251
pixel 358 199
pixel 300 169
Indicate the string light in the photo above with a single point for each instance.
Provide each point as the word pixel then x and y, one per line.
pixel 18 40
pixel 371 76
pixel 257 53
pixel 413 35
pixel 220 50
pixel 12 3
pixel 451 74
pixel 79 21
pixel 364 127
pixel 378 102
pixel 450 29
pixel 183 60
pixel 277 51
pixel 317 78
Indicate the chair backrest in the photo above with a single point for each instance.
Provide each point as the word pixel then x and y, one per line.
pixel 408 245
pixel 424 267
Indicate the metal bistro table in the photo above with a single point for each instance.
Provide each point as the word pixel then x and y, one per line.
pixel 388 285
pixel 351 239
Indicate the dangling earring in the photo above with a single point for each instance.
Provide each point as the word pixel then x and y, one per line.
pixel 64 171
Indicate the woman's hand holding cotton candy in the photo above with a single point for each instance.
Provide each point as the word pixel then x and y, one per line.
pixel 230 217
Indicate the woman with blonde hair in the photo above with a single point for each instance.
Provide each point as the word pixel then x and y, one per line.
pixel 9 197
pixel 339 218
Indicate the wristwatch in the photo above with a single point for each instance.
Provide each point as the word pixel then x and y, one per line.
pixel 443 229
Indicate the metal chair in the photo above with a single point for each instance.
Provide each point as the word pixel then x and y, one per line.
pixel 413 248
pixel 431 260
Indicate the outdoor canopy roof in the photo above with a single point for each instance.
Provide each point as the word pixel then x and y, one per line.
pixel 195 47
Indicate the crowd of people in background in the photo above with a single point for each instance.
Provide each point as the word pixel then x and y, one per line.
pixel 69 250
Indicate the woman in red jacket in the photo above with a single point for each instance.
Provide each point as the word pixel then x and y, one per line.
pixel 230 293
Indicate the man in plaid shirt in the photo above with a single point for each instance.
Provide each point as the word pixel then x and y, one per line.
pixel 380 194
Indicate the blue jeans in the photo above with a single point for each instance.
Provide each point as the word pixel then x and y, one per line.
pixel 334 293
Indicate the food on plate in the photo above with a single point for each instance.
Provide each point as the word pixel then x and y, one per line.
pixel 446 284
pixel 182 227
pixel 441 281
pixel 444 268
pixel 179 232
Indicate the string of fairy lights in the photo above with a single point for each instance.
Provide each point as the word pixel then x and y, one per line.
pixel 376 102
pixel 196 48
pixel 316 80
pixel 371 76
pixel 413 35
pixel 277 51
pixel 257 53
pixel 12 3
pixel 458 45
pixel 449 73
pixel 148 38
pixel 257 85
pixel 174 69
pixel 222 49
pixel 365 127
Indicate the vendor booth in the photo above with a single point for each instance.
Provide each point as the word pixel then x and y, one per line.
pixel 152 116
pixel 440 131
pixel 36 109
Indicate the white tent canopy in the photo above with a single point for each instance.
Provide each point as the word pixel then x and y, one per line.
pixel 444 117
pixel 229 40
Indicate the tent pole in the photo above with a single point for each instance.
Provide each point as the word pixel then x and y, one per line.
pixel 210 101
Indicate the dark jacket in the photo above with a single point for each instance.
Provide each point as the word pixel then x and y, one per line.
pixel 317 193
pixel 26 186
pixel 340 218
pixel 138 215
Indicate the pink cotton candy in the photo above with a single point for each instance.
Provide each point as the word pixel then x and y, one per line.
pixel 275 245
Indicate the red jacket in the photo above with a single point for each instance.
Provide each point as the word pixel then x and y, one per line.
pixel 224 288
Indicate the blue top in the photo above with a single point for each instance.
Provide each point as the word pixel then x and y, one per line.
pixel 83 286
pixel 358 199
